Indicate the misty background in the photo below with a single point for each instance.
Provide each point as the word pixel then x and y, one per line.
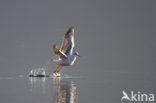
pixel 115 38
pixel 108 34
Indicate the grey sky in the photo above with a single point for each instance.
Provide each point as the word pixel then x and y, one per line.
pixel 110 34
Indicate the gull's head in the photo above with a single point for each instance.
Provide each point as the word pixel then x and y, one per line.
pixel 76 54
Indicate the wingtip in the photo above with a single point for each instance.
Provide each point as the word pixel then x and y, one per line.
pixel 72 27
pixel 54 46
pixel 55 49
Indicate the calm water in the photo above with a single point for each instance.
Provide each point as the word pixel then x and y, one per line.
pixel 107 87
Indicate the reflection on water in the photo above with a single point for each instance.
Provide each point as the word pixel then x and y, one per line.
pixel 64 91
pixel 61 90
pixel 38 84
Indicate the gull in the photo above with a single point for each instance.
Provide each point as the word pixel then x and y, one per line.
pixel 66 56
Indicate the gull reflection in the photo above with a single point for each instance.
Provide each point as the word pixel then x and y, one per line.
pixel 38 84
pixel 64 91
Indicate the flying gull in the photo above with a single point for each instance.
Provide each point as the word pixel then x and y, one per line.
pixel 66 56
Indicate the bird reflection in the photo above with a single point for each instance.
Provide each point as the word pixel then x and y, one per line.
pixel 38 84
pixel 64 91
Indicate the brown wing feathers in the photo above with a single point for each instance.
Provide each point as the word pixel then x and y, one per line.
pixel 61 53
pixel 58 52
pixel 55 49
pixel 65 41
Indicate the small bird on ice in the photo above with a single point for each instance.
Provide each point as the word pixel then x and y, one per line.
pixel 66 56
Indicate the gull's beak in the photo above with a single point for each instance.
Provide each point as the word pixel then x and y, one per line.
pixel 78 55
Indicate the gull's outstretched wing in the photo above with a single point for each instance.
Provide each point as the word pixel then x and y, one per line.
pixel 58 52
pixel 68 42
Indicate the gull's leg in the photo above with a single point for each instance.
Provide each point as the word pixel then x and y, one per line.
pixel 59 69
pixel 56 69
